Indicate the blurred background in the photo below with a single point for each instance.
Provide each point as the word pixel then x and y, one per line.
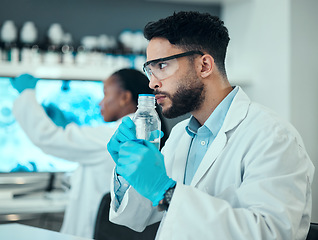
pixel 272 55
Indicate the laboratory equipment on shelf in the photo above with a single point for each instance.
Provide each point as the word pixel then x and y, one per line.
pixel 9 35
pixel 30 51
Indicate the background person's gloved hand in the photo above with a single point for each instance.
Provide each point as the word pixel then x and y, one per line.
pixel 56 115
pixel 23 82
pixel 125 132
pixel 25 167
pixel 142 165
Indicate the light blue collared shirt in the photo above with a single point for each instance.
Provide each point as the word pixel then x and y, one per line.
pixel 203 136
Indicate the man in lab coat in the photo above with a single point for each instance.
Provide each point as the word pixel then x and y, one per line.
pixel 233 170
pixel 85 145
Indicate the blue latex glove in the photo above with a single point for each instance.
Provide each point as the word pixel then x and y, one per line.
pixel 155 135
pixel 142 165
pixel 125 132
pixel 23 82
pixel 56 115
pixel 28 167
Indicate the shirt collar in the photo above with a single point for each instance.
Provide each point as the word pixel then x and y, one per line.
pixel 193 126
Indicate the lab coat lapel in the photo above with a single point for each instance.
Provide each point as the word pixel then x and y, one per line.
pixel 237 112
pixel 209 158
pixel 181 158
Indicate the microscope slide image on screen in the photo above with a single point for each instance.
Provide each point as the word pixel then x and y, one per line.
pixel 65 102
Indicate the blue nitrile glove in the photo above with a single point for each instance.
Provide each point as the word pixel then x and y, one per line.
pixel 26 167
pixel 56 115
pixel 155 135
pixel 125 132
pixel 142 165
pixel 23 82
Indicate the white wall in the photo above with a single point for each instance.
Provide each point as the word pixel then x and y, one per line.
pixel 274 43
pixel 259 49
pixel 304 80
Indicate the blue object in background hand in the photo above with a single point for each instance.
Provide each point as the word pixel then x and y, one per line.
pixel 26 167
pixel 56 115
pixel 24 81
pixel 142 165
pixel 125 132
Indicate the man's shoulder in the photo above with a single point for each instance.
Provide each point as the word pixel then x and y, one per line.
pixel 263 120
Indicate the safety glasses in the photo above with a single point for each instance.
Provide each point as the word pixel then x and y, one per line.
pixel 163 68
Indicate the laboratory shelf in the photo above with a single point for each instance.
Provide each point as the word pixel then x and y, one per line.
pixel 84 71
pixel 57 71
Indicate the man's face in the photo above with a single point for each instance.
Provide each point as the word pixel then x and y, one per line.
pixel 183 91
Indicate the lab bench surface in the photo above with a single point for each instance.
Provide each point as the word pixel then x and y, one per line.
pixel 42 210
pixel 14 231
pixel 34 203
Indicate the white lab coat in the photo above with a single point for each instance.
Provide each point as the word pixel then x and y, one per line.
pixel 85 145
pixel 253 183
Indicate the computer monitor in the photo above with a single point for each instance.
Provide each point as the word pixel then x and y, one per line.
pixel 77 99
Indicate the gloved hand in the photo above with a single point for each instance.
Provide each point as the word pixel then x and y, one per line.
pixel 23 82
pixel 156 134
pixel 26 167
pixel 56 115
pixel 125 132
pixel 142 165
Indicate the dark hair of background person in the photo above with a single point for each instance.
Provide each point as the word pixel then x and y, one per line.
pixel 193 31
pixel 137 83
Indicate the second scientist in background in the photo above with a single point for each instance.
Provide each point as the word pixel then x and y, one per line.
pixel 85 145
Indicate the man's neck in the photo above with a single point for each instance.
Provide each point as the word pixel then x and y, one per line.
pixel 212 99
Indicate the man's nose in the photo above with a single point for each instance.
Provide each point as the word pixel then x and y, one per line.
pixel 154 82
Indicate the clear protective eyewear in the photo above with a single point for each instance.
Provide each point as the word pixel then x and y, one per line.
pixel 162 68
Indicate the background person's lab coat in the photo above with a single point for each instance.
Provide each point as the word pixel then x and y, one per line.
pixel 253 183
pixel 85 145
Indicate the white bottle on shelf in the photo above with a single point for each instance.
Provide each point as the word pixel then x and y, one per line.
pixel 55 35
pixel 10 52
pixel 30 53
pixel 67 50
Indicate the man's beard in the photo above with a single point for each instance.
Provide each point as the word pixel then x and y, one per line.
pixel 186 99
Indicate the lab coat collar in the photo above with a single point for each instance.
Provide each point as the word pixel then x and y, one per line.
pixel 181 156
pixel 237 112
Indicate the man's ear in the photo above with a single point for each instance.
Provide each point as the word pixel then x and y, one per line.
pixel 207 65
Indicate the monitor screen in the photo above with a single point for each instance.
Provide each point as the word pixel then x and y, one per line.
pixel 77 99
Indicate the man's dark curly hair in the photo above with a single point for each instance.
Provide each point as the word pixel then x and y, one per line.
pixel 193 31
